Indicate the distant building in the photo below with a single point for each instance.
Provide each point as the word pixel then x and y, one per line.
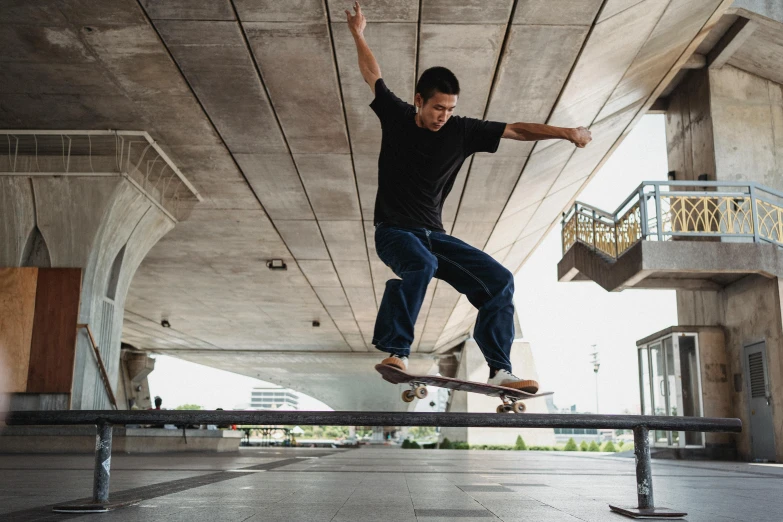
pixel 273 398
pixel 578 434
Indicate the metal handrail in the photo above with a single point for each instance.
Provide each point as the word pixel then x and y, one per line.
pixel 105 419
pixel 664 222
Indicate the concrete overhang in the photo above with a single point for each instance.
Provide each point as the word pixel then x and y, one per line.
pixel 686 265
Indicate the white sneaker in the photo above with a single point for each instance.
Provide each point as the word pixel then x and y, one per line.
pixel 401 363
pixel 509 380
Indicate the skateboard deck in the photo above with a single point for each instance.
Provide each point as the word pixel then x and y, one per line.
pixel 508 395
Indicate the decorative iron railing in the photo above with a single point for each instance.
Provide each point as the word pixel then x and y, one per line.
pixel 666 210
pixel 132 154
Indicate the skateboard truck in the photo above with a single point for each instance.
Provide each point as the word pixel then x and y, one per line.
pixel 418 391
pixel 510 404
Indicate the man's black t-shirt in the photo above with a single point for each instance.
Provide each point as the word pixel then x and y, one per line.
pixel 417 166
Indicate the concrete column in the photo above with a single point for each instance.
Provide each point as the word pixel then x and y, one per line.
pixel 133 388
pixel 103 225
pixel 728 123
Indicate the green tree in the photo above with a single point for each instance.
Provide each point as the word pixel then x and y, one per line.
pixel 583 446
pixel 593 447
pixel 422 432
pixel 571 445
pixel 188 407
pixel 610 447
pixel 520 444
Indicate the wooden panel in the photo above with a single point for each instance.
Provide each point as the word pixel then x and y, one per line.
pixel 17 306
pixel 54 330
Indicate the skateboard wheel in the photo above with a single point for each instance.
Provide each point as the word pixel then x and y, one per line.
pixel 408 396
pixel 421 392
pixel 501 408
pixel 519 407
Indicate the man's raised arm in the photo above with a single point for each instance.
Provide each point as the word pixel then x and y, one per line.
pixel 371 71
pixel 579 136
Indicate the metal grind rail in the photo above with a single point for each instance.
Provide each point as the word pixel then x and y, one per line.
pixel 640 424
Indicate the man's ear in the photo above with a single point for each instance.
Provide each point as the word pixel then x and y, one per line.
pixel 418 101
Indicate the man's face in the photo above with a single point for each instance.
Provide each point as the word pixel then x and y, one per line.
pixel 434 114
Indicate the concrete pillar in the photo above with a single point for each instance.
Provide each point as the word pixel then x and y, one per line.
pixel 473 367
pixel 133 389
pixel 103 225
pixel 377 435
pixel 728 124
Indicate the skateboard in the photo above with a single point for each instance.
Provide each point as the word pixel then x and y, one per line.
pixel 512 399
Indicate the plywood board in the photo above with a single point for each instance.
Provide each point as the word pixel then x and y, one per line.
pixel 17 307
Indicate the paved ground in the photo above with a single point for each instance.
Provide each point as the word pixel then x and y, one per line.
pixel 386 484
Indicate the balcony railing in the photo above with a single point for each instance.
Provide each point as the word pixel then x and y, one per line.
pixel 665 210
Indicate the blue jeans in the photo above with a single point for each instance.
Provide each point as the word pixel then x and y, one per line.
pixel 416 255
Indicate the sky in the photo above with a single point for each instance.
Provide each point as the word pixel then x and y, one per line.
pixel 560 320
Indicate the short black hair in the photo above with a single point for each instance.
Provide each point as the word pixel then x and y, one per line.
pixel 436 79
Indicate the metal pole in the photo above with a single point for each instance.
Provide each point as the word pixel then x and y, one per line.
pixel 754 208
pixel 100 490
pixel 644 487
pixel 643 213
pixel 658 217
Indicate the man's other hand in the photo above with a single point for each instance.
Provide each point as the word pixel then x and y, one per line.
pixel 580 137
pixel 357 22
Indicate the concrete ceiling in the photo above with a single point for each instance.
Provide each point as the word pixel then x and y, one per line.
pixel 262 106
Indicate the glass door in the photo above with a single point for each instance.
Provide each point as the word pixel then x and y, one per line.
pixel 660 389
pixel 688 385
pixel 669 384
pixel 645 391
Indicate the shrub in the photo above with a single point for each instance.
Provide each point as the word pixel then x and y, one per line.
pixel 571 445
pixel 610 447
pixel 406 444
pixel 583 446
pixel 415 445
pixel 460 445
pixel 540 448
pixel 446 444
pixel 593 447
pixel 520 444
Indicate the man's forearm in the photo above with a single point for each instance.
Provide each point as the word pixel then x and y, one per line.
pixel 368 66
pixel 538 131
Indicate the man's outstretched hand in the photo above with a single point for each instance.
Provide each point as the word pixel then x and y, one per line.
pixel 357 22
pixel 580 137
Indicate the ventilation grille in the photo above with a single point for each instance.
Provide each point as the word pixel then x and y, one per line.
pixel 757 385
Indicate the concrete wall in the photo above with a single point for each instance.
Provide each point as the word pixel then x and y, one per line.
pixel 103 225
pixel 747 112
pixel 749 311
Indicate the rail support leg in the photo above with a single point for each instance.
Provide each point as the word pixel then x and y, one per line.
pixel 644 487
pixel 100 490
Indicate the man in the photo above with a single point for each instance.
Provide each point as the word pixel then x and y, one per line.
pixel 422 149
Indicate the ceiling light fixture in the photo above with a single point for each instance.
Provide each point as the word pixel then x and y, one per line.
pixel 276 264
